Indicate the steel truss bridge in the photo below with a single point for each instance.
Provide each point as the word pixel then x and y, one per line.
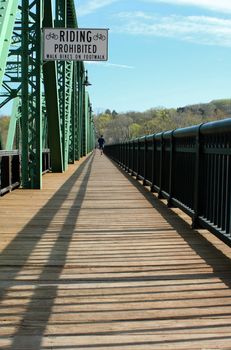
pixel 51 109
pixel 122 254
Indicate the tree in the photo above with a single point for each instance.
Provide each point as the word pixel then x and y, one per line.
pixel 114 113
pixel 101 123
pixel 135 130
pixel 121 127
pixel 4 125
pixel 118 130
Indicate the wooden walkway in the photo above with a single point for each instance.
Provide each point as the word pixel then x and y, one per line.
pixel 95 261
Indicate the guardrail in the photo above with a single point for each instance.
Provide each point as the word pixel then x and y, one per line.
pixel 190 167
pixel 46 161
pixel 10 169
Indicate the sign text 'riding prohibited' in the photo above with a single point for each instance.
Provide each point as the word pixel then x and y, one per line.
pixel 75 44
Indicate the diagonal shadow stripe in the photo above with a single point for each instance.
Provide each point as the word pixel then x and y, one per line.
pixel 61 244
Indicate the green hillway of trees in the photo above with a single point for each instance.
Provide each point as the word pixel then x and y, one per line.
pixel 4 124
pixel 122 127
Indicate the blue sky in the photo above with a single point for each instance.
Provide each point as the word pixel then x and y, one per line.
pixel 168 53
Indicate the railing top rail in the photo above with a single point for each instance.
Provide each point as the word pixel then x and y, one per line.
pixel 17 152
pixel 168 134
pixel 9 153
pixel 220 126
pixel 158 136
pixel 150 136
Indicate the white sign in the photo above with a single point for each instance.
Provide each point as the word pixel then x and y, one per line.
pixel 75 44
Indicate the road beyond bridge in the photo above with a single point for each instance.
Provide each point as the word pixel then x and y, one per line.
pixel 95 261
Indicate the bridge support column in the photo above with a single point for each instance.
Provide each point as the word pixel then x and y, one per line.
pixel 31 94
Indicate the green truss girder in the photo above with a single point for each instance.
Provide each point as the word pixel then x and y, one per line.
pixel 31 94
pixel 51 108
pixel 8 10
pixel 52 101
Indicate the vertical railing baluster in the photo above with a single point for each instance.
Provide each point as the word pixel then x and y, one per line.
pixel 161 166
pixel 153 164
pixel 196 200
pixel 133 156
pixel 145 161
pixel 138 159
pixel 171 169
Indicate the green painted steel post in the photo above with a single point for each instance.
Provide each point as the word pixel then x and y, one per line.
pixel 72 138
pixel 36 173
pixel 52 101
pixel 31 95
pixel 84 123
pixel 25 94
pixel 81 90
pixel 65 73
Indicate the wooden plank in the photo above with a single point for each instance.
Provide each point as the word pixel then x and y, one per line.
pixel 95 261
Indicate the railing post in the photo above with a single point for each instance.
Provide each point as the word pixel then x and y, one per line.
pixel 161 166
pixel 5 171
pixel 129 156
pixel 123 161
pixel 138 159
pixel 133 154
pixel 15 166
pixel 171 169
pixel 228 195
pixel 126 156
pixel 196 200
pixel 145 161
pixel 153 163
pixel 120 153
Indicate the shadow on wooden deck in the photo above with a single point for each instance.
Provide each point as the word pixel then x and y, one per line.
pixel 32 311
pixel 124 294
pixel 214 257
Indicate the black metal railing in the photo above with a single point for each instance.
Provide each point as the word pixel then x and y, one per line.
pixel 46 161
pixel 10 169
pixel 190 167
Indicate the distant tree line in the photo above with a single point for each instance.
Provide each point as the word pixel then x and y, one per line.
pixel 4 125
pixel 117 127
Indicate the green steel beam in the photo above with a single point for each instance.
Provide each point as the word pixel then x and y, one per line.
pixel 86 118
pixel 52 101
pixel 81 90
pixel 74 117
pixel 11 81
pixel 67 116
pixel 8 11
pixel 65 76
pixel 31 94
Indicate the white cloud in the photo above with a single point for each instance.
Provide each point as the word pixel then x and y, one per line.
pixel 215 5
pixel 113 65
pixel 197 29
pixel 90 6
pixel 85 7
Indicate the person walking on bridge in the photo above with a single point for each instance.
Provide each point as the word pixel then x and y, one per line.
pixel 101 143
